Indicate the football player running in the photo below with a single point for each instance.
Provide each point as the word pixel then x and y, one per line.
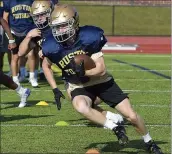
pixel 85 85
pixel 6 80
pixel 41 15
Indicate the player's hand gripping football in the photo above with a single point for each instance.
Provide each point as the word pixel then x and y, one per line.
pixel 78 68
pixel 57 96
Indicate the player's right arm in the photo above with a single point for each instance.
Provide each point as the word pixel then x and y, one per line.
pixel 46 66
pixel 5 25
pixel 27 45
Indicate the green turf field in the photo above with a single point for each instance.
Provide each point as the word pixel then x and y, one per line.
pixel 32 129
pixel 127 20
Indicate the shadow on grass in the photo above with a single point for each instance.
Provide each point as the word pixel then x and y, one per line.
pixel 19 117
pixel 115 148
pixel 14 104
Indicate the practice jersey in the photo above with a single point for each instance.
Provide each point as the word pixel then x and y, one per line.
pixel 20 20
pixel 90 42
pixel 45 32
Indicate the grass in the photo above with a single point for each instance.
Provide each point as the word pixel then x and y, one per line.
pixel 32 129
pixel 128 20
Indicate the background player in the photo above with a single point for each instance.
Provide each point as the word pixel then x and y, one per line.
pixel 17 13
pixel 4 79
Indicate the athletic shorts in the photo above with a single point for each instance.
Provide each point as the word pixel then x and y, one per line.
pixel 18 40
pixel 109 92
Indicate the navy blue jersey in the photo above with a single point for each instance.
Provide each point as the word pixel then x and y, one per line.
pixel 20 20
pixel 54 1
pixel 90 40
pixel 1 8
pixel 46 32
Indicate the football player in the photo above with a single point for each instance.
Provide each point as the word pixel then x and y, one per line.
pixel 7 29
pixel 6 80
pixel 62 53
pixel 41 15
pixel 85 85
pixel 17 13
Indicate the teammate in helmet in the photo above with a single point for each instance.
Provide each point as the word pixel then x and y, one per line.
pixel 40 12
pixel 85 85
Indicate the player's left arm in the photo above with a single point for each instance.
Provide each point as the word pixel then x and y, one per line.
pixel 100 68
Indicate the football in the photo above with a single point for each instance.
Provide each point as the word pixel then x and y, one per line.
pixel 92 151
pixel 88 62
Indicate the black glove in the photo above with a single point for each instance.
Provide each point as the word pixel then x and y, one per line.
pixel 57 95
pixel 78 68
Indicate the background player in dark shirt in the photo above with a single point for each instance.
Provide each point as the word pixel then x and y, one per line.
pixel 70 40
pixel 6 80
pixel 17 13
pixel 12 43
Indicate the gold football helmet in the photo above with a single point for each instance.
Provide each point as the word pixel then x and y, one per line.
pixel 64 22
pixel 40 13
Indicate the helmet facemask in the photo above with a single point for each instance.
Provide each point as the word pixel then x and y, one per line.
pixel 64 31
pixel 42 19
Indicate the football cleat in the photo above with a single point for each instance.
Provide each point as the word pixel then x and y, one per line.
pixel 153 148
pixel 120 132
pixel 33 82
pixel 23 98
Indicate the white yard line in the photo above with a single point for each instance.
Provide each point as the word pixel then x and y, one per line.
pixel 125 90
pixel 135 105
pixel 114 63
pixel 152 80
pixel 75 125
pixel 131 70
